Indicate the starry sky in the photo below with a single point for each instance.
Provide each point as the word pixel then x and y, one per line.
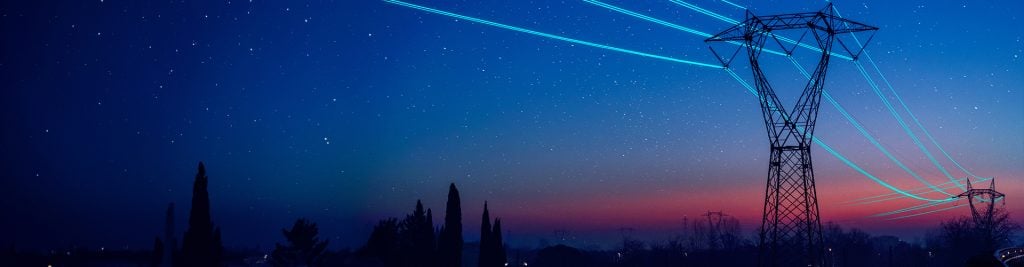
pixel 346 112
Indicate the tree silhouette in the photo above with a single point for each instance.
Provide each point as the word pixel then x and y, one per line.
pixel 450 241
pixel 304 248
pixel 416 237
pixel 847 247
pixel 158 252
pixel 201 246
pixel 1000 231
pixel 500 256
pixel 560 256
pixel 961 241
pixel 486 249
pixel 383 243
pixel 170 246
pixel 492 252
pixel 632 252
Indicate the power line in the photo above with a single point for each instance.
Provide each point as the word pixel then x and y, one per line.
pixel 548 35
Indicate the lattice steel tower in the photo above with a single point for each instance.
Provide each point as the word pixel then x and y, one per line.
pixel 790 228
pixel 982 202
pixel 715 231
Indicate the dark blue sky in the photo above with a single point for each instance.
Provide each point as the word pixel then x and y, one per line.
pixel 346 112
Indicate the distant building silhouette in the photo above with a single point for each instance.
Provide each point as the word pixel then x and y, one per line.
pixel 201 246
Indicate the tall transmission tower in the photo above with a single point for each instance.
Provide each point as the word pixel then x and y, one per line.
pixel 982 202
pixel 790 232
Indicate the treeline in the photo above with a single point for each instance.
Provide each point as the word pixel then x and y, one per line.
pixel 972 240
pixel 711 242
pixel 415 242
pixel 410 242
pixel 713 239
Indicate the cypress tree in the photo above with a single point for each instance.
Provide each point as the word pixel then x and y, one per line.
pixel 169 253
pixel 201 246
pixel 430 241
pixel 450 239
pixel 500 256
pixel 417 238
pixel 492 248
pixel 486 244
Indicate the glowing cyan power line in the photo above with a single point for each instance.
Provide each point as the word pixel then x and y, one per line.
pixel 627 51
pixel 916 121
pixel 877 91
pixel 665 23
pixel 705 12
pixel 548 35
pixel 924 213
pixel 896 196
pixel 732 21
pixel 647 18
pixel 804 72
pixel 846 161
pixel 735 5
pixel 913 208
pixel 903 124
pixel 924 189
pixel 864 132
pixel 907 109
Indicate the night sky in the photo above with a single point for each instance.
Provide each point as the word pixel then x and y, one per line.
pixel 346 112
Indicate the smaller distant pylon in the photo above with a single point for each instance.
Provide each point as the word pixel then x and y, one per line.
pixel 982 201
pixel 715 231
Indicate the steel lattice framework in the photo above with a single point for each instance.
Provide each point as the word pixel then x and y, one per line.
pixel 715 229
pixel 790 232
pixel 982 212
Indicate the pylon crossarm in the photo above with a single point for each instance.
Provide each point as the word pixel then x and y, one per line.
pixel 822 23
pixel 986 197
pixel 756 25
pixel 856 55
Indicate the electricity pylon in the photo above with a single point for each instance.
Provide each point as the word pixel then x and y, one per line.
pixel 715 231
pixel 982 202
pixel 790 232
